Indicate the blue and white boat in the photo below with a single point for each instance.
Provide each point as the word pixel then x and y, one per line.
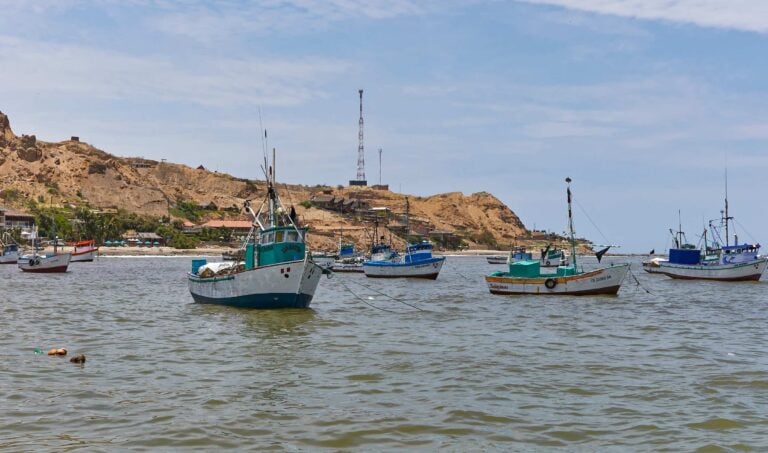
pixel 728 263
pixel 276 272
pixel 417 262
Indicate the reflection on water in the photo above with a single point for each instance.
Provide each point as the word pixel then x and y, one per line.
pixel 678 367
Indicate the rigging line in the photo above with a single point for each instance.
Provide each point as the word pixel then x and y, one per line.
pixel 365 301
pixel 388 296
pixel 745 230
pixel 590 221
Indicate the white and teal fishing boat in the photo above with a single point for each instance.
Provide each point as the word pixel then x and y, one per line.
pixel 525 277
pixel 417 262
pixel 276 272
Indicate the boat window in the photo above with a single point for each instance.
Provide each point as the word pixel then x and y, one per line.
pixel 266 238
pixel 279 236
pixel 292 236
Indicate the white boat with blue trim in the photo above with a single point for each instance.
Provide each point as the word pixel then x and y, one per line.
pixel 728 263
pixel 416 262
pixel 277 272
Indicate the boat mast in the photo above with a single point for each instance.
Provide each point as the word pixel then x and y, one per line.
pixel 407 227
pixel 570 223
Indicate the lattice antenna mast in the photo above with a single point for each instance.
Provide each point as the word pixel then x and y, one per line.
pixel 360 146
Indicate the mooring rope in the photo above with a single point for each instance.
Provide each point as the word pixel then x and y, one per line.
pixel 637 282
pixel 387 296
pixel 365 301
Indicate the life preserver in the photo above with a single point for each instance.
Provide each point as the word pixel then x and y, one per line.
pixel 550 283
pixel 31 262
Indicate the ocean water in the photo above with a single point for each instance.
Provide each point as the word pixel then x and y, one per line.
pixel 380 365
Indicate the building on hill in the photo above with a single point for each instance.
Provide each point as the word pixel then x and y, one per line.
pixel 323 201
pixel 10 219
pixel 143 239
pixel 239 229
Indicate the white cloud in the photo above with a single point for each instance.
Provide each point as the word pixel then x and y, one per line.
pixel 746 15
pixel 62 70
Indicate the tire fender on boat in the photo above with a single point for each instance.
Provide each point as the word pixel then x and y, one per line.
pixel 550 283
pixel 548 263
pixel 31 262
pixel 37 261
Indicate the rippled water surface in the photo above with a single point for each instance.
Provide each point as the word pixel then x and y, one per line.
pixel 434 365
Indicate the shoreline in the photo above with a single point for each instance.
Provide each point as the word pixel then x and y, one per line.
pixel 218 251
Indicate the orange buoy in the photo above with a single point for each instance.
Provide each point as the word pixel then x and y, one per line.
pixel 57 351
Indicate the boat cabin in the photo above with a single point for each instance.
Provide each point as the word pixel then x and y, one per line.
pixel 276 245
pixel 10 248
pixel 739 253
pixel 418 252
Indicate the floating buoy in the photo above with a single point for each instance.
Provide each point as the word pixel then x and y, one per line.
pixel 57 351
pixel 79 358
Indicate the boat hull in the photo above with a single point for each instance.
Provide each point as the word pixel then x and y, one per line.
pixel 346 267
pixel 748 271
pixel 605 281
pixel 284 285
pixel 81 257
pixel 45 264
pixel 497 259
pixel 10 258
pixel 427 269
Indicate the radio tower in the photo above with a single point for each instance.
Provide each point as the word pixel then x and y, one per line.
pixel 360 181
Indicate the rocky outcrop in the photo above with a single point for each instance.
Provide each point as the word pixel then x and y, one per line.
pixel 6 134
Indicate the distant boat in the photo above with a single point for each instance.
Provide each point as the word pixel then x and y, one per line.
pixel 10 250
pixel 85 251
pixel 416 262
pixel 276 272
pixel 516 254
pixel 553 256
pixel 36 262
pixel 348 259
pixel 236 255
pixel 525 277
pixel 737 262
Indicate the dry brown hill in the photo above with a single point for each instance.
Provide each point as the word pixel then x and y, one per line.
pixel 76 173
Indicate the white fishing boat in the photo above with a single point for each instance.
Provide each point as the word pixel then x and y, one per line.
pixel 37 262
pixel 516 254
pixel 10 250
pixel 525 277
pixel 348 259
pixel 416 262
pixel 276 272
pixel 729 262
pixel 552 256
pixel 84 251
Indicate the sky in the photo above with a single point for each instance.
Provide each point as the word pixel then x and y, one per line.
pixel 643 103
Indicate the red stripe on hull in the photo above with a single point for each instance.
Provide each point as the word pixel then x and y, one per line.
pixel 50 270
pixel 608 291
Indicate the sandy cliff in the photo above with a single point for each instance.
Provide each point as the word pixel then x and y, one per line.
pixel 75 173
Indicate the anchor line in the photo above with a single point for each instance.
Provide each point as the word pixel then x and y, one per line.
pixel 365 301
pixel 388 296
pixel 637 282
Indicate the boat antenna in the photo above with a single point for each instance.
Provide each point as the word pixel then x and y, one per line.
pixel 726 218
pixel 570 222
